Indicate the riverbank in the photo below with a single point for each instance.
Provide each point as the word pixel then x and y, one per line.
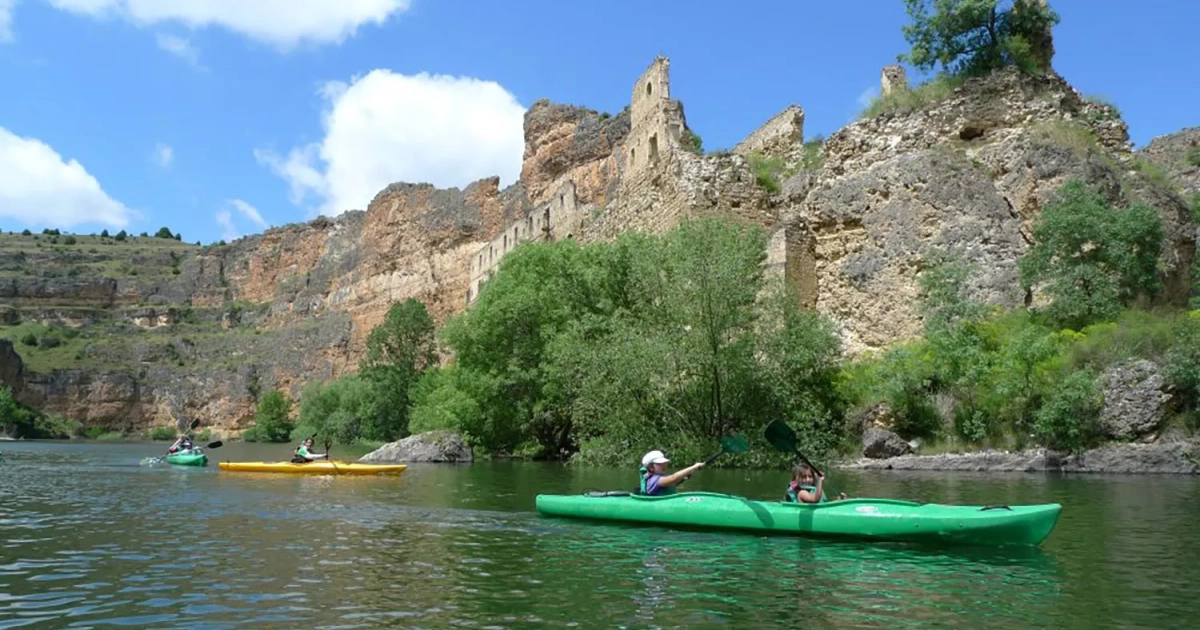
pixel 1181 457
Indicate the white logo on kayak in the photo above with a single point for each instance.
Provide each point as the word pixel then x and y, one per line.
pixel 693 500
pixel 867 509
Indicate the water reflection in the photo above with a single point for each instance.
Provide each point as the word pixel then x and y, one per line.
pixel 88 537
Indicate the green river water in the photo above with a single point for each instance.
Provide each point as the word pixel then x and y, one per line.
pixel 91 538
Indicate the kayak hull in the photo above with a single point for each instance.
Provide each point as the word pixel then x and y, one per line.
pixel 188 458
pixel 317 467
pixel 869 519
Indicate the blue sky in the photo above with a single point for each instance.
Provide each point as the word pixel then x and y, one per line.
pixel 217 121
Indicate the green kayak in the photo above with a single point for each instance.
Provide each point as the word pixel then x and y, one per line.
pixel 870 519
pixel 191 457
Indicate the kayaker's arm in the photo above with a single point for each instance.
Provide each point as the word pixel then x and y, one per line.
pixel 678 476
pixel 813 497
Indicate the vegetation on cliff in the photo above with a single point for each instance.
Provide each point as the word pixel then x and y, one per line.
pixel 958 39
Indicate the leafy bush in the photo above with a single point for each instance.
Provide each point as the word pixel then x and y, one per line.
pixel 271 421
pixel 769 172
pixel 909 100
pixel 1193 155
pixel 29 339
pixel 1069 421
pixel 162 434
pixel 1092 259
pixel 121 236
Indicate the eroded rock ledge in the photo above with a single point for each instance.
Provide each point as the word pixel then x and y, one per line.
pixel 1180 457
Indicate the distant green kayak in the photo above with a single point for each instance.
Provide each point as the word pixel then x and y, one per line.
pixel 191 457
pixel 869 519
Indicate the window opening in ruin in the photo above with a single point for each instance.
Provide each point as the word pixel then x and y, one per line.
pixel 514 237
pixel 649 88
pixel 632 156
pixel 505 248
pixel 654 148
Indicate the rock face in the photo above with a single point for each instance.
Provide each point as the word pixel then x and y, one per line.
pixel 966 175
pixel 1163 457
pixel 881 444
pixel 433 446
pixel 1178 154
pixel 1135 400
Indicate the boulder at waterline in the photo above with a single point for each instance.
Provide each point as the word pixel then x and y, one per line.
pixel 432 446
pixel 881 443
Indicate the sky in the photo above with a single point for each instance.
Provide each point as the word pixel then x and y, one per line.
pixel 219 118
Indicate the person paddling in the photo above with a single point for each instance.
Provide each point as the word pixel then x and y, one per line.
pixel 654 481
pixel 304 453
pixel 802 489
pixel 183 443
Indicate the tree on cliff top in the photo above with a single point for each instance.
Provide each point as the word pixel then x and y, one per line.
pixel 974 37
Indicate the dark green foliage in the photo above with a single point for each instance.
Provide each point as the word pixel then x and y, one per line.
pixel 26 232
pixel 1069 421
pixel 399 351
pixel 974 37
pixel 29 339
pixel 1183 367
pixel 1092 259
pixel 162 434
pixel 104 233
pixel 70 240
pixel 164 232
pixel 1193 155
pixel 375 404
pixel 20 421
pixel 769 172
pixel 697 143
pixel 144 235
pixel 271 421
pixel 121 235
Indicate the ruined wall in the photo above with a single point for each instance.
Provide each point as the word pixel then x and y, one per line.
pixel 557 219
pixel 779 136
pixel 892 78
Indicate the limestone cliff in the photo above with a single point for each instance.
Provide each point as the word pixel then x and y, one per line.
pixel 967 174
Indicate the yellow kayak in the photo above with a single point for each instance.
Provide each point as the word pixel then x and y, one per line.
pixel 318 467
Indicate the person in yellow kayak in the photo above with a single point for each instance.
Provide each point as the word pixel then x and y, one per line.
pixel 655 481
pixel 304 452
pixel 802 489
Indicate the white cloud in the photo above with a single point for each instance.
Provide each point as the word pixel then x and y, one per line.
pixel 864 97
pixel 38 188
pixel 249 211
pixel 6 13
pixel 225 220
pixel 386 127
pixel 281 23
pixel 180 47
pixel 163 155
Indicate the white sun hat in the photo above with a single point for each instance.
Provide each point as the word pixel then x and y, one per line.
pixel 654 457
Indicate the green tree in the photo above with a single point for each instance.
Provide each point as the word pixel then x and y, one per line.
pixel 953 336
pixel 121 235
pixel 1069 421
pixel 271 422
pixel 164 232
pixel 335 409
pixel 399 350
pixel 1092 259
pixel 104 233
pixel 974 37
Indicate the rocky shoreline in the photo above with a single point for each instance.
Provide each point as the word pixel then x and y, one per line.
pixel 1181 457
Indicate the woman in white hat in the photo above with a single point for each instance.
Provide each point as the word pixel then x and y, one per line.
pixel 653 480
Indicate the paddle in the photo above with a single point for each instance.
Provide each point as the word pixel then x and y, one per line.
pixel 732 444
pixel 783 438
pixel 329 443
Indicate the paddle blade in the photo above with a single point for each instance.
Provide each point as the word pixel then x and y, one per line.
pixel 216 444
pixel 734 444
pixel 781 436
pixel 194 423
